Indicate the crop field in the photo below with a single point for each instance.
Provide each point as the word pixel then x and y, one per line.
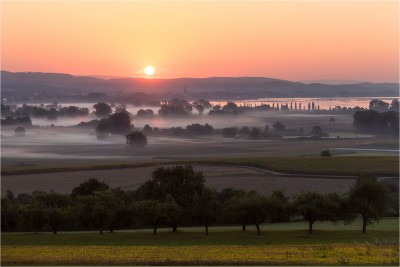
pixel 280 244
pixel 218 177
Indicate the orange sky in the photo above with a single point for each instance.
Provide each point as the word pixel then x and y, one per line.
pixel 289 40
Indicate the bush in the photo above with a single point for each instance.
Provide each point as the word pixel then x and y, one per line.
pixel 325 153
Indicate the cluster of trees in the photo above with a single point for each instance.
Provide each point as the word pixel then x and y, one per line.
pixel 117 123
pixel 181 107
pixel 176 197
pixel 190 130
pixel 372 121
pixel 17 121
pixel 278 129
pixel 51 112
pixel 381 106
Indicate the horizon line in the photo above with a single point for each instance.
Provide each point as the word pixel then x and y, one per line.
pixel 308 81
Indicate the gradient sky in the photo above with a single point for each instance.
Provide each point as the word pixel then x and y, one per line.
pixel 289 40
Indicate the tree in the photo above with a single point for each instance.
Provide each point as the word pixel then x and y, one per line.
pixel 181 183
pixel 256 208
pixel 199 108
pixel 371 121
pixel 32 217
pixel 103 128
pixel 395 105
pixel 337 208
pixel 19 131
pixel 378 105
pixel 278 207
pixel 278 127
pixel 54 207
pixel 368 198
pixel 148 113
pixel 206 207
pixel 235 210
pixel 89 187
pixel 9 214
pixel 120 123
pixel 150 212
pixel 96 210
pixel 255 133
pixel 121 214
pixel 173 212
pixel 311 207
pixel 102 109
pixel 136 139
pixel 244 130
pixel 147 129
pixel 317 131
pixel 198 129
pixel 229 132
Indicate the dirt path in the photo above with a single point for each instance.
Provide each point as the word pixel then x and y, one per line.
pixel 219 177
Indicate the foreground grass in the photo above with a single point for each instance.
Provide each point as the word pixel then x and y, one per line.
pixel 337 165
pixel 206 255
pixel 293 233
pixel 280 244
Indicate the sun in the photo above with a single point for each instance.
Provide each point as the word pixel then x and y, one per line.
pixel 149 70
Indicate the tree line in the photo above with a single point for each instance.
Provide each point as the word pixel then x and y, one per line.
pixel 177 196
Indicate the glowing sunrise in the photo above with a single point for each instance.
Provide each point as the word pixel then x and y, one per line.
pixel 299 40
pixel 199 133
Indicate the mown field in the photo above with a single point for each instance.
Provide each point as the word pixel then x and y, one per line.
pixel 280 244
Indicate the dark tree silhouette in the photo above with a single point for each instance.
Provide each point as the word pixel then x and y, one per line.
pixel 368 198
pixel 137 139
pixel 102 109
pixel 278 127
pixel 89 187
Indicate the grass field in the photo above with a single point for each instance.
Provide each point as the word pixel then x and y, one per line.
pixel 280 244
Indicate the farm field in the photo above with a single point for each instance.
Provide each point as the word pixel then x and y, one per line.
pixel 281 243
pixel 217 176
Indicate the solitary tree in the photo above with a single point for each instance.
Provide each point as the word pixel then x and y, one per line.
pixel 368 198
pixel 137 139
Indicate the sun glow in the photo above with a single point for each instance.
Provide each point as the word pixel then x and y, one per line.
pixel 149 70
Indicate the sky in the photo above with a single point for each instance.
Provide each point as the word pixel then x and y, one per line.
pixel 293 40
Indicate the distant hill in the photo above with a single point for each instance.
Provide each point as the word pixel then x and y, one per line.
pixel 238 87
